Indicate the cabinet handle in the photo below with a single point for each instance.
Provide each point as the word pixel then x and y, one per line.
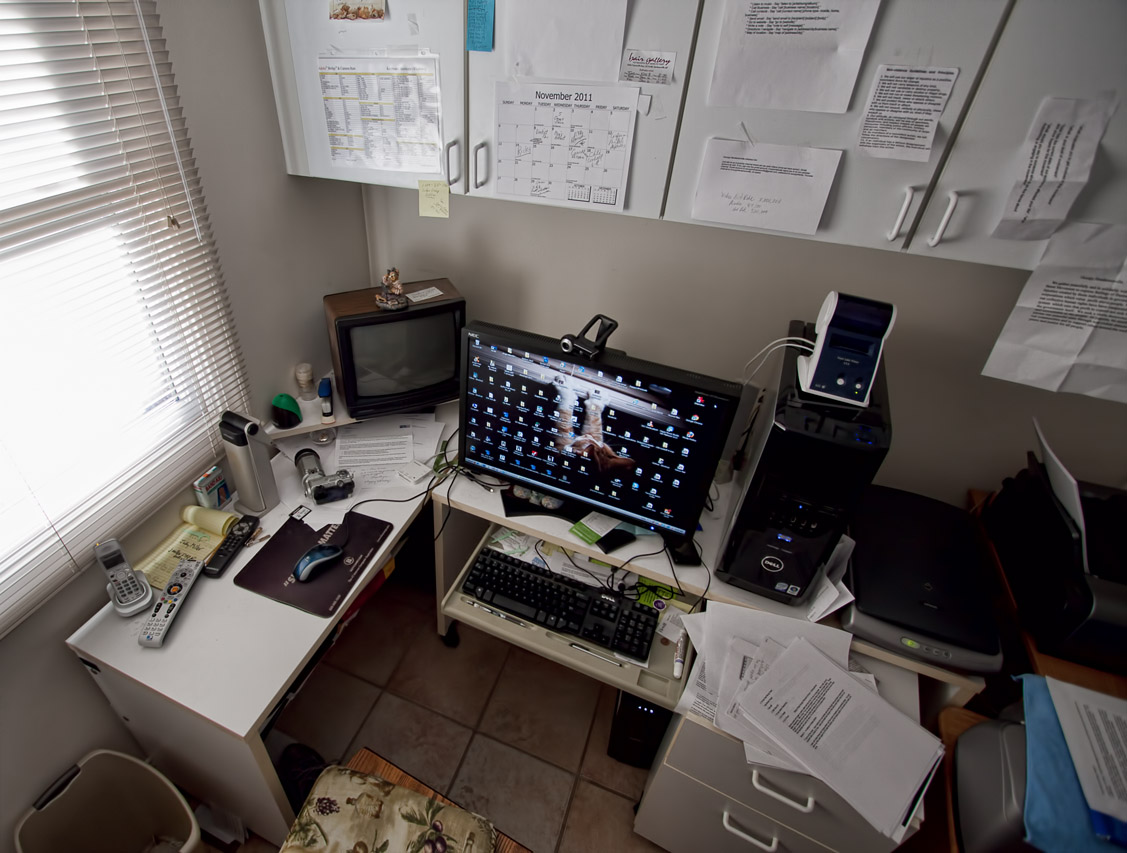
pixel 770 848
pixel 477 185
pixel 763 789
pixel 451 180
pixel 909 194
pixel 952 201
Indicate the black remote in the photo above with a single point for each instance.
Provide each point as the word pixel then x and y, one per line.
pixel 236 537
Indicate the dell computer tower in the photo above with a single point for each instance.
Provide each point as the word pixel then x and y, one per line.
pixel 812 459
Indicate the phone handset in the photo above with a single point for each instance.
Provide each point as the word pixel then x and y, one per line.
pixel 128 589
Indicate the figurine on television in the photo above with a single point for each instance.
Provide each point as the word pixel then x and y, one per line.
pixel 390 296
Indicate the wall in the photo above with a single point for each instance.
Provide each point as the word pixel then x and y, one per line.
pixel 283 242
pixel 708 298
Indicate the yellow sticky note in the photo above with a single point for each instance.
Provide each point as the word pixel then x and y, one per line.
pixel 434 199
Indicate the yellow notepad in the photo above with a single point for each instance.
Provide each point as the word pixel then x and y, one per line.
pixel 196 539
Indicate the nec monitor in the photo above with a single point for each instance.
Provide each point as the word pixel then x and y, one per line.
pixel 632 439
pixel 396 361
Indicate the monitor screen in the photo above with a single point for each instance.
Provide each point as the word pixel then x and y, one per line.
pixel 397 358
pixel 636 440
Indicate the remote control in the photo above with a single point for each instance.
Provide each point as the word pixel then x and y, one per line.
pixel 170 603
pixel 240 532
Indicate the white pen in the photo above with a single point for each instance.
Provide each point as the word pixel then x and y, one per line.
pixel 679 655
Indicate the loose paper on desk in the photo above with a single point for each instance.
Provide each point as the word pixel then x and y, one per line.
pixel 1068 331
pixel 1054 165
pixel 903 112
pixel 566 142
pixel 573 40
pixel 434 199
pixel 857 743
pixel 778 187
pixel 373 450
pixel 791 56
pixel 382 112
pixel 1095 729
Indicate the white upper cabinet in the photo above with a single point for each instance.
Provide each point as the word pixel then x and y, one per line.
pixel 869 196
pixel 1076 49
pixel 300 36
pixel 665 26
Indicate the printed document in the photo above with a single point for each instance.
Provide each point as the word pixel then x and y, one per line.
pixel 850 738
pixel 1068 331
pixel 1095 729
pixel 566 142
pixel 647 66
pixel 783 55
pixel 1054 164
pixel 576 40
pixel 903 111
pixel 382 112
pixel 777 187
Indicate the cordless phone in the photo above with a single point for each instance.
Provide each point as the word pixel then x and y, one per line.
pixel 128 589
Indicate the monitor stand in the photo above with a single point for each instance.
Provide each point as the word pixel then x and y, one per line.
pixel 682 550
pixel 514 506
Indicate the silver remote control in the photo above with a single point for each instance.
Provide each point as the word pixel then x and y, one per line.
pixel 169 604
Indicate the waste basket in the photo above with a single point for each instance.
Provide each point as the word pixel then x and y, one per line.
pixel 109 803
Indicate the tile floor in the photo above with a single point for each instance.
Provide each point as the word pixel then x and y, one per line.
pixel 498 730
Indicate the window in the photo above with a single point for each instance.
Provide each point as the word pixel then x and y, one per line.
pixel 117 338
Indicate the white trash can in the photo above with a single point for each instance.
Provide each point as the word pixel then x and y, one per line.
pixel 109 802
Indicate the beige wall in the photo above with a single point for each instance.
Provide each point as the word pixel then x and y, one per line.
pixel 708 298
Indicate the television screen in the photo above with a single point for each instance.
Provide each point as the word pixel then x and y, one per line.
pixel 633 439
pixel 398 358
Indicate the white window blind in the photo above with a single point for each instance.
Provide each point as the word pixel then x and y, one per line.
pixel 117 340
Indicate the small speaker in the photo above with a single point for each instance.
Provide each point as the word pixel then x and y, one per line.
pixel 637 730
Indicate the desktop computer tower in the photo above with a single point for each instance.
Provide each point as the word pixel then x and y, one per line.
pixel 812 459
pixel 636 730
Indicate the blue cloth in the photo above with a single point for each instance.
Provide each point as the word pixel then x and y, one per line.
pixel 1056 814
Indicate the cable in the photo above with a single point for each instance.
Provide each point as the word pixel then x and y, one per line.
pixel 763 361
pixel 776 341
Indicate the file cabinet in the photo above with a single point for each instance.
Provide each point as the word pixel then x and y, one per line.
pixel 702 793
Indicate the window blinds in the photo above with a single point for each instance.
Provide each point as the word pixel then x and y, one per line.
pixel 117 336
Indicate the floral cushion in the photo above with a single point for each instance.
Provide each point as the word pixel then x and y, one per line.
pixel 352 812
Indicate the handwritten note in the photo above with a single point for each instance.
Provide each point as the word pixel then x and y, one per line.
pixel 778 187
pixel 647 66
pixel 479 25
pixel 434 199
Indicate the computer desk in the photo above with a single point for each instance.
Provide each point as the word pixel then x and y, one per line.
pixel 200 704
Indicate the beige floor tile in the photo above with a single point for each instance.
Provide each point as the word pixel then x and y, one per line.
pixel 327 711
pixel 455 682
pixel 600 767
pixel 374 643
pixel 526 798
pixel 541 708
pixel 601 820
pixel 418 741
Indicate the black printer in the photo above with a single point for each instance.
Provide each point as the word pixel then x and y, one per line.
pixel 1070 612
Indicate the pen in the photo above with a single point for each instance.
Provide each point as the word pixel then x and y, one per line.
pixel 679 656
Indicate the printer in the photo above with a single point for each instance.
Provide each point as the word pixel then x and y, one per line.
pixel 1070 610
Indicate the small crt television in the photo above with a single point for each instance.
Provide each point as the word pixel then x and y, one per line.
pixel 395 361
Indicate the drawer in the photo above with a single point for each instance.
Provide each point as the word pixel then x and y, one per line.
pixel 684 816
pixel 796 800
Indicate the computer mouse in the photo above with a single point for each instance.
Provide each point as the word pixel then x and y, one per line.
pixel 314 560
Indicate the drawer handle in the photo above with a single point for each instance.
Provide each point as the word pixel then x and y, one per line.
pixel 952 202
pixel 477 185
pixel 909 194
pixel 450 179
pixel 763 789
pixel 739 833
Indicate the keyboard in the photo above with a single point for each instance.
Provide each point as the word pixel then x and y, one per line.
pixel 602 617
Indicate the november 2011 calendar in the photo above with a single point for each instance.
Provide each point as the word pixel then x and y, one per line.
pixel 569 143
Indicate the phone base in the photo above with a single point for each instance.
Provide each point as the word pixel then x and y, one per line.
pixel 133 607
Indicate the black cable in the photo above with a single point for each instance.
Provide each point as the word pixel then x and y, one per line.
pixel 598 581
pixel 446 518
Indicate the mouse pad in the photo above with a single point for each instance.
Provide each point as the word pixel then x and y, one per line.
pixel 270 571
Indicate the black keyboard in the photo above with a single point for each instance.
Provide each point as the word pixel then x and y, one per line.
pixel 599 616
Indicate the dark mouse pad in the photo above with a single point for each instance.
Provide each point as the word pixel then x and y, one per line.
pixel 270 571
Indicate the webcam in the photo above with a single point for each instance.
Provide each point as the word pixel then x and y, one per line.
pixel 583 345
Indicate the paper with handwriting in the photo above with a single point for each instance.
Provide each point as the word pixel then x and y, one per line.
pixel 776 187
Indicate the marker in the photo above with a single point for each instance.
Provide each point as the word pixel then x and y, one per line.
pixel 679 656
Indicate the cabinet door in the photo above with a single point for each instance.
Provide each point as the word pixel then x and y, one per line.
pixel 869 195
pixel 651 25
pixel 298 32
pixel 1069 50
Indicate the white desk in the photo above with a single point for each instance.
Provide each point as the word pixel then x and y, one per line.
pixel 198 704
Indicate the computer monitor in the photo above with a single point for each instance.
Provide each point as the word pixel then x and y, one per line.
pixel 631 439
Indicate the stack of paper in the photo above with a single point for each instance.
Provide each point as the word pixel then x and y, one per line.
pixel 785 689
